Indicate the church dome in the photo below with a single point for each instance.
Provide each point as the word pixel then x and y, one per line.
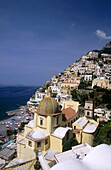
pixel 48 106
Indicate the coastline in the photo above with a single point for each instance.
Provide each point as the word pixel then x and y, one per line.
pixel 11 123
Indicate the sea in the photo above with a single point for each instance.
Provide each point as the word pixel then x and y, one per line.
pixel 11 96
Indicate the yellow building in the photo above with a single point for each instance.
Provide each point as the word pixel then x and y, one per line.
pixel 101 82
pixel 70 103
pixel 70 85
pixel 69 115
pixel 85 130
pixel 44 132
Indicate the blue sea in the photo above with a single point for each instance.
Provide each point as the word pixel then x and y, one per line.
pixel 12 96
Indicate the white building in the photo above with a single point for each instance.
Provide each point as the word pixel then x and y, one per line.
pixel 87 77
pixel 55 89
pixel 99 158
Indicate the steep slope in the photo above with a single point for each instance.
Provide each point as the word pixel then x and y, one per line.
pixel 107 48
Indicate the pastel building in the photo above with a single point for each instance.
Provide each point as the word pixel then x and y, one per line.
pixel 46 131
pixel 72 104
pixel 97 158
pixel 85 130
pixel 70 85
pixel 101 82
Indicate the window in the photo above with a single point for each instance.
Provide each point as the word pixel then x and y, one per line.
pixel 46 141
pixel 38 144
pixel 74 127
pixel 88 113
pixel 30 143
pixel 41 121
pixel 88 107
pixel 57 120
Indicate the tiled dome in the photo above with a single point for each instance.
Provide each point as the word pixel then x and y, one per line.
pixel 48 106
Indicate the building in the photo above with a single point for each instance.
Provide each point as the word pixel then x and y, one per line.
pixel 81 157
pixel 101 82
pixel 44 132
pixel 7 153
pixel 72 104
pixel 87 77
pixel 69 115
pixel 97 158
pixel 85 130
pixel 70 85
pixel 89 109
pixel 34 102
pixel 79 152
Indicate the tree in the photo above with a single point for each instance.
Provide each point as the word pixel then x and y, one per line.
pixel 70 143
pixel 22 126
pixel 74 94
pixel 9 133
pixel 104 134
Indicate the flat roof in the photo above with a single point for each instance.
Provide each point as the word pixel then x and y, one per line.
pixel 90 128
pixel 81 121
pixel 64 156
pixel 80 150
pixel 7 152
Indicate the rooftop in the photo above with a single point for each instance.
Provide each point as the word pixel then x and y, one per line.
pixel 79 151
pixel 36 135
pixel 98 158
pixel 81 122
pixel 60 132
pixel 6 153
pixel 68 113
pixel 30 124
pixel 50 154
pixel 90 128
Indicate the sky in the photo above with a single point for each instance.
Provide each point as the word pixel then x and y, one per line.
pixel 41 38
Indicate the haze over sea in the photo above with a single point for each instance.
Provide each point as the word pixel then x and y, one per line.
pixel 11 96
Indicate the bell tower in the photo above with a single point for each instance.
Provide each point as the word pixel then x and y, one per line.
pixel 89 109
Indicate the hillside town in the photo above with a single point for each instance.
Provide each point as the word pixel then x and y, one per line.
pixel 64 120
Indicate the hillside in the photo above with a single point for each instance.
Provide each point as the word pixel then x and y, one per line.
pixel 107 48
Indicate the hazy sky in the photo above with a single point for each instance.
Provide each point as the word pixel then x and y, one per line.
pixel 40 38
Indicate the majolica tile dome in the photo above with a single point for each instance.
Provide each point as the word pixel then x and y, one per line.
pixel 48 105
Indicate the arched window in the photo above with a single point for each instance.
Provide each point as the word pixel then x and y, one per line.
pixel 41 121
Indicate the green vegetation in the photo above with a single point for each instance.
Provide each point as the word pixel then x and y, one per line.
pixel 71 142
pixel 84 84
pixel 83 97
pixel 10 132
pixel 101 97
pixel 74 94
pixel 22 126
pixel 104 134
pixel 78 96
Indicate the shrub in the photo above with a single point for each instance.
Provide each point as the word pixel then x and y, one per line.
pixel 70 143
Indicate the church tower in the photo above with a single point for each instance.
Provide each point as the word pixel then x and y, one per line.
pixel 48 116
pixel 89 109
